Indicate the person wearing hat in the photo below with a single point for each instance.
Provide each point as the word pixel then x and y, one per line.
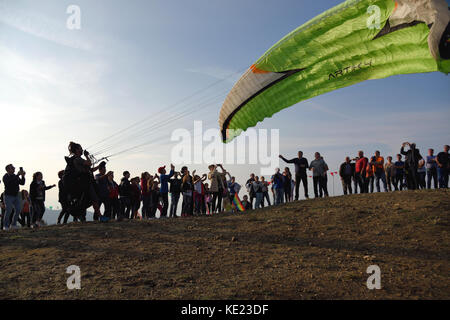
pixel 164 189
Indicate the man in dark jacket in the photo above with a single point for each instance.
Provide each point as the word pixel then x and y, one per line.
pixel 125 195
pixel 301 165
pixel 443 166
pixel 11 195
pixel 346 172
pixel 411 164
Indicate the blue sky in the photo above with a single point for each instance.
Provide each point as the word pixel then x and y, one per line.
pixel 131 59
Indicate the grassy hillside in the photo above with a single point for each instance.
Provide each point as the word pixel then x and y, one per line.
pixel 314 249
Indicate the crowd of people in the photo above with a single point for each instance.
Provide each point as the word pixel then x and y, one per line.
pixel 141 197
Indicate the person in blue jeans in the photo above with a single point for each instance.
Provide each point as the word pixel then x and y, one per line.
pixel 378 165
pixel 399 173
pixel 443 163
pixel 11 196
pixel 431 169
pixel 277 183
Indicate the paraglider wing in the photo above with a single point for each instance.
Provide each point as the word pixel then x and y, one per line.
pixel 355 41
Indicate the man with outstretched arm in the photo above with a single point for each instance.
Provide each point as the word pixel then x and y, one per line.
pixel 301 164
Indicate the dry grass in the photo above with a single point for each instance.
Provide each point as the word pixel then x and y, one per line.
pixel 315 249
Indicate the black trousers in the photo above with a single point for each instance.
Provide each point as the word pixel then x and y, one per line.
pixel 125 210
pixel 165 202
pixel 38 210
pixel 217 196
pixel 24 219
pixel 301 178
pixel 432 174
pixel 398 181
pixel 320 187
pixel 412 178
pixel 64 213
pixel 347 184
pixel 362 182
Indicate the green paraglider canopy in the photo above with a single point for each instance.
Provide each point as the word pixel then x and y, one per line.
pixel 355 41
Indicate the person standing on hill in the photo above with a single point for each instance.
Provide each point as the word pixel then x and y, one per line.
pixel 360 170
pixel 370 175
pixel 164 189
pixel 125 196
pixel 112 210
pixel 443 163
pixel 37 196
pixel 412 158
pixel 301 165
pixel 11 198
pixel 346 172
pixel 422 174
pixel 287 185
pixel 145 180
pixel 277 184
pixel 379 173
pixel 399 173
pixel 265 190
pixel 25 214
pixel 389 171
pixel 250 190
pixel 62 199
pixel 431 169
pixel 101 179
pixel 199 194
pixel 175 191
pixel 319 169
pixel 257 186
pixel 187 187
pixel 135 197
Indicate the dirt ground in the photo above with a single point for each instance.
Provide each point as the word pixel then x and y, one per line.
pixel 313 249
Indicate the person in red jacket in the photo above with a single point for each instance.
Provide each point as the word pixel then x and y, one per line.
pixel 360 171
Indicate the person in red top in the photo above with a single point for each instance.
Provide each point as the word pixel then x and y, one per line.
pixel 360 171
pixel 25 214
pixel 112 207
pixel 378 168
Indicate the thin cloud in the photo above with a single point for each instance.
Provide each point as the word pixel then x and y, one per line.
pixel 42 27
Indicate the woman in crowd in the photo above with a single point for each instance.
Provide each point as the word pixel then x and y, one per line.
pixel 112 210
pixel 216 188
pixel 265 190
pixel 287 184
pixel 257 186
pixel 389 170
pixel 25 214
pixel 199 194
pixel 62 199
pixel 175 192
pixel 135 197
pixel 37 196
pixel 145 189
pixel 187 187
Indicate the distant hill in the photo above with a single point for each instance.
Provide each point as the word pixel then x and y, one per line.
pixel 312 249
pixel 51 216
